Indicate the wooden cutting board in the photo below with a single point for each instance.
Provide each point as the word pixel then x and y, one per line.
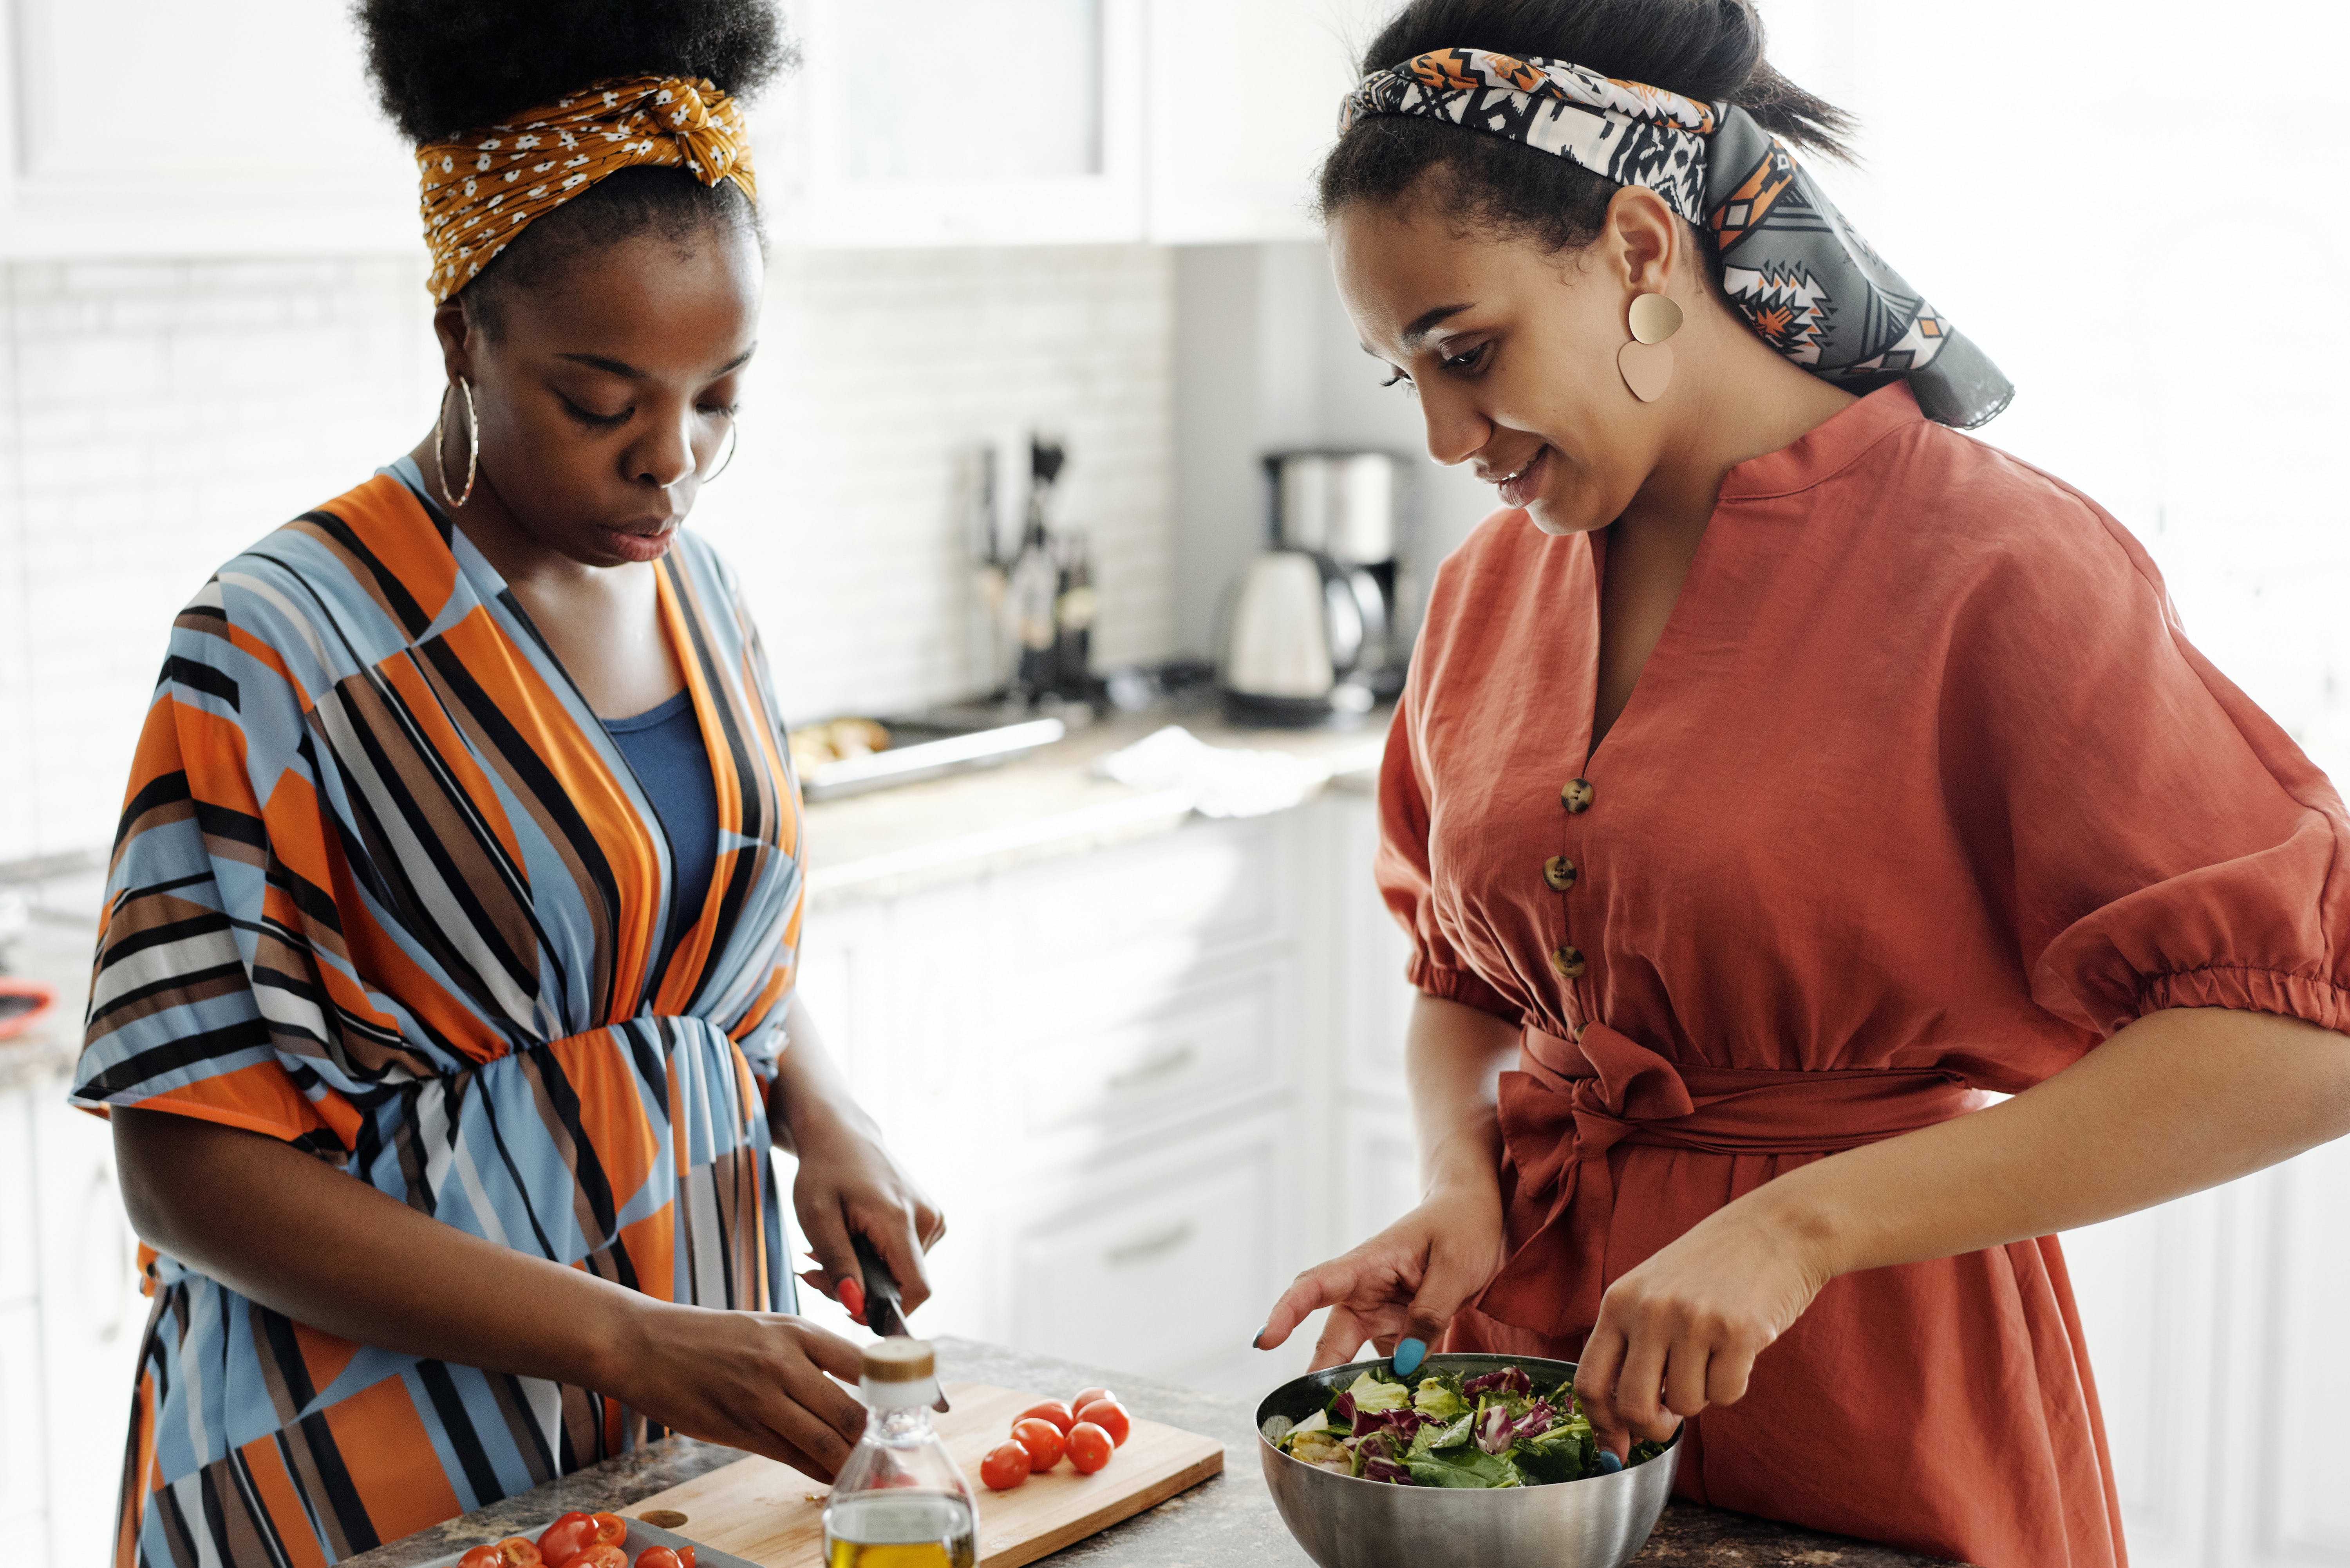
pixel 773 1516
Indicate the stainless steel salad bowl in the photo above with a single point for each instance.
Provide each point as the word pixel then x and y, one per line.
pixel 1346 1522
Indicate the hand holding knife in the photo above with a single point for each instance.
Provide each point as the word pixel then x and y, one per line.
pixel 883 1314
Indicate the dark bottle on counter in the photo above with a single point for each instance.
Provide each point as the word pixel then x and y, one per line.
pixel 1035 586
pixel 1073 615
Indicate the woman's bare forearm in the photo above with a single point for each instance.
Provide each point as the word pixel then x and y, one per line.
pixel 298 1236
pixel 1454 1059
pixel 809 1096
pixel 2177 1102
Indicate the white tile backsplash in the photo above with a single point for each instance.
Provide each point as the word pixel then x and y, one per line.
pixel 156 417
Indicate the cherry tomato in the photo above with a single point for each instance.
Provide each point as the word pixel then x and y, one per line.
pixel 657 1557
pixel 611 1530
pixel 1089 1397
pixel 559 1518
pixel 1110 1417
pixel 1052 1410
pixel 483 1556
pixel 1042 1439
pixel 566 1539
pixel 685 1557
pixel 1089 1448
pixel 602 1555
pixel 519 1551
pixel 1006 1466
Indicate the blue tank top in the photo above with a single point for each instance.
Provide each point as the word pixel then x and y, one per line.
pixel 664 746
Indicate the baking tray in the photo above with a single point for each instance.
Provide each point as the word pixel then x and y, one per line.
pixel 641 1536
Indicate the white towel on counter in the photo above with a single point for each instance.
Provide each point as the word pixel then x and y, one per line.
pixel 1223 781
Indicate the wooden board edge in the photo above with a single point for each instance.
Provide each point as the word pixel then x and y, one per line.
pixel 1118 1512
pixel 666 1496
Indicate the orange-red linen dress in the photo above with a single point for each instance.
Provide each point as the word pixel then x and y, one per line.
pixel 1923 792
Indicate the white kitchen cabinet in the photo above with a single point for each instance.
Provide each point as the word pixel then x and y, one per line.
pixel 24 1483
pixel 944 122
pixel 18 1276
pixel 158 127
pixel 92 1316
pixel 1245 99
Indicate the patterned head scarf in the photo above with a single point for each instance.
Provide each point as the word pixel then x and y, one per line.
pixel 1795 269
pixel 483 188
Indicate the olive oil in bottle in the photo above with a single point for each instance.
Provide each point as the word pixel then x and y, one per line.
pixel 901 1501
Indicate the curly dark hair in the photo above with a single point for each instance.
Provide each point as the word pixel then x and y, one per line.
pixel 1706 49
pixel 441 66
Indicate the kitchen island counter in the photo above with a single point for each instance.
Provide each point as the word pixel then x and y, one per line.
pixel 1228 1521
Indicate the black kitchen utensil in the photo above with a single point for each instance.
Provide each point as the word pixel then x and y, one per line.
pixel 883 1316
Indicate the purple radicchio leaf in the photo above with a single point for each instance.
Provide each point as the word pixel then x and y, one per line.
pixel 1493 1430
pixel 1534 1422
pixel 1387 1471
pixel 1508 1380
pixel 1405 1424
pixel 1343 1412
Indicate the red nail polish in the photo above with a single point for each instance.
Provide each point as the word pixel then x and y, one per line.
pixel 852 1296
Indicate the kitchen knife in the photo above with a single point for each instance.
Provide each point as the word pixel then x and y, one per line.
pixel 882 1314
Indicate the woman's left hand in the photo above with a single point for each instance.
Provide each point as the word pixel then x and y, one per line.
pixel 1681 1331
pixel 848 1184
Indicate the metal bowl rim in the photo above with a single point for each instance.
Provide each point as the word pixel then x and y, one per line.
pixel 1358 1367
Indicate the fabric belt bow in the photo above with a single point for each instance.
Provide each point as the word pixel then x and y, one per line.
pixel 1571 1102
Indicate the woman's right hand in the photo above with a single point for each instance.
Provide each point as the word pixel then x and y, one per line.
pixel 1402 1285
pixel 751 1380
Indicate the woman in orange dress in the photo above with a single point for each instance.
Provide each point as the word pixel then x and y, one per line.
pixel 1780 775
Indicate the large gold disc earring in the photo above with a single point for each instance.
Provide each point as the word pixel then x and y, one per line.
pixel 472 446
pixel 1647 361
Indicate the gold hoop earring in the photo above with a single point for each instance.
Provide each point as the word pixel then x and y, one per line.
pixel 733 440
pixel 472 446
pixel 1647 361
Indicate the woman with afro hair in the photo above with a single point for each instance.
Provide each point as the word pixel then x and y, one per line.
pixel 443 1007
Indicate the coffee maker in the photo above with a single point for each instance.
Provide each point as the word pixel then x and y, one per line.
pixel 1312 629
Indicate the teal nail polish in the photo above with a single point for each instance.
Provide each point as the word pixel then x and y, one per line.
pixel 1609 1463
pixel 1256 1340
pixel 1409 1354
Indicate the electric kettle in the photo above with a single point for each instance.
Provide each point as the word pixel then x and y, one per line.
pixel 1295 628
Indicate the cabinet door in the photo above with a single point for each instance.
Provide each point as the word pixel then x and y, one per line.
pixel 22 1484
pixel 1373 1002
pixel 92 1315
pixel 97 102
pixel 1244 101
pixel 17 1273
pixel 1169 1268
pixel 937 122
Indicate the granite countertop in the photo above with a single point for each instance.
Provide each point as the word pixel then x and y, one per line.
pixel 1047 804
pixel 1227 1521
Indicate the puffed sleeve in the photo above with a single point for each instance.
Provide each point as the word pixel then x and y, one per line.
pixel 2154 838
pixel 199 907
pixel 1405 880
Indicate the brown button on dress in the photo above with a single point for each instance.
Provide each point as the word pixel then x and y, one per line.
pixel 1921 792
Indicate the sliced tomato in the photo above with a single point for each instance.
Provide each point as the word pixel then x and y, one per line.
pixel 685 1555
pixel 1042 1440
pixel 610 1528
pixel 1053 1410
pixel 1111 1417
pixel 566 1539
pixel 1089 1448
pixel 483 1556
pixel 520 1552
pixel 657 1557
pixel 601 1555
pixel 1006 1466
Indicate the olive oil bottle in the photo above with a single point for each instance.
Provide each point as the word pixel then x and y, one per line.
pixel 901 1501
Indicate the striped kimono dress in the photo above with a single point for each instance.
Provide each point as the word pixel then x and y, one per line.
pixel 386 888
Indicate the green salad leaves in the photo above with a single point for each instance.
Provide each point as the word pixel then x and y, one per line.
pixel 1438 1430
